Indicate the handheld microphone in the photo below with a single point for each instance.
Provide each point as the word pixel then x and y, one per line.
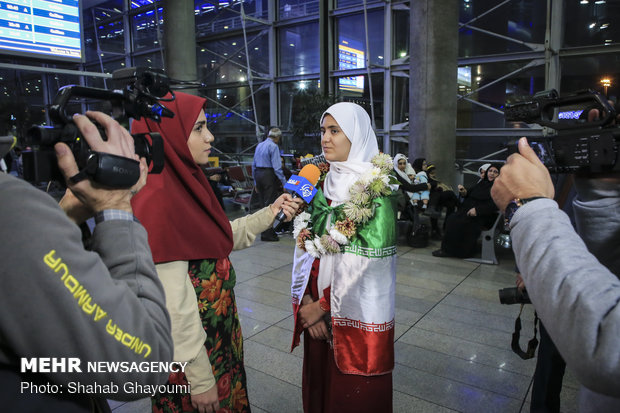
pixel 302 186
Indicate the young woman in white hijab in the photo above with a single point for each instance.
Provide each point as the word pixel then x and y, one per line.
pixel 344 301
pixel 407 186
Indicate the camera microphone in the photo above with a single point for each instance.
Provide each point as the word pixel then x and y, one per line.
pixel 302 186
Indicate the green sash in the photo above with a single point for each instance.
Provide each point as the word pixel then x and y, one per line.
pixel 374 239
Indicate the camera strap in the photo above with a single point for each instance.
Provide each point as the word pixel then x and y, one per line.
pixel 531 345
pixel 109 170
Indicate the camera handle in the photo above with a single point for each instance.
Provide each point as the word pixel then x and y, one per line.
pixel 109 170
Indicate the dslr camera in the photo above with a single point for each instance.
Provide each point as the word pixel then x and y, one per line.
pixel 574 144
pixel 137 93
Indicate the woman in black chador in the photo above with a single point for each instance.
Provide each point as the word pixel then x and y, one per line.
pixel 477 211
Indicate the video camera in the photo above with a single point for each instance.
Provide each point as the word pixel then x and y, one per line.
pixel 138 92
pixel 578 144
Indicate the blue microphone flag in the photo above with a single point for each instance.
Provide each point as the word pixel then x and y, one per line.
pixel 302 187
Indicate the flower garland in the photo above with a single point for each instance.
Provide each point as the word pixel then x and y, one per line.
pixel 374 183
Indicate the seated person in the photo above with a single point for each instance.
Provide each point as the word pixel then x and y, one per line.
pixel 477 211
pixel 441 196
pixel 483 170
pixel 406 189
pixel 421 177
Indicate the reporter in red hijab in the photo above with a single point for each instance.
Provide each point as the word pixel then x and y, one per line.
pixel 191 238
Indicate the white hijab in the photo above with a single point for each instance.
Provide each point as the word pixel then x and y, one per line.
pixel 402 174
pixel 408 170
pixel 356 125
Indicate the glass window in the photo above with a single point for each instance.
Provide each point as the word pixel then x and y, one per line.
pixel 299 49
pixel 235 112
pixel 360 94
pixel 400 100
pixel 290 9
pixel 20 102
pixel 399 147
pixel 90 44
pixel 144 27
pixel 352 40
pixel 57 81
pixel 224 61
pixel 591 23
pixel 211 18
pixel 111 37
pixel 472 83
pixel 92 81
pixel 400 42
pixel 294 100
pixel 588 72
pixel 104 11
pixel 519 20
pixel 139 3
pixel 348 3
pixel 150 60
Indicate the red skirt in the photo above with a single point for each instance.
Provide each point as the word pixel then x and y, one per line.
pixel 325 389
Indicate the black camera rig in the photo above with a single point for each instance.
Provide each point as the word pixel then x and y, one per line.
pixel 576 143
pixel 137 94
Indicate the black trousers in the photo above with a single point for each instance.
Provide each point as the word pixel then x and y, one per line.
pixel 269 188
pixel 548 376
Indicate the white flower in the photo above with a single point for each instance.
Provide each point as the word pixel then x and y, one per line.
pixel 383 161
pixel 385 179
pixel 370 175
pixel 319 245
pixel 338 236
pixel 301 222
pixel 311 249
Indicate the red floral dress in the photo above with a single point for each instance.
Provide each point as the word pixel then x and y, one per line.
pixel 213 281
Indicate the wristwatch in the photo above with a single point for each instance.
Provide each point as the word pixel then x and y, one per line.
pixel 515 204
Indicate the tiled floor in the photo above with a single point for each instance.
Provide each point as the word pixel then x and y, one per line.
pixel 452 335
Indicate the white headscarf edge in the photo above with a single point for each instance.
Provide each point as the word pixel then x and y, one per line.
pixel 356 125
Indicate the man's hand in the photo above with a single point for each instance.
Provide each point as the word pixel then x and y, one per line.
pixel 93 197
pixel 520 283
pixel 287 204
pixel 472 212
pixel 523 176
pixel 206 402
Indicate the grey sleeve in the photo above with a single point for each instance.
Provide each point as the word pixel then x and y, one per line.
pixel 576 296
pixel 60 300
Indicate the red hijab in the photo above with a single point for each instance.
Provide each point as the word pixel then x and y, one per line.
pixel 178 207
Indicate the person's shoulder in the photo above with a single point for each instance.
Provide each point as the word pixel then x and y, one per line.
pixel 19 198
pixel 9 182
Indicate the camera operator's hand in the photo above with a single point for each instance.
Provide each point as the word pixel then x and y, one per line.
pixel 520 283
pixel 523 176
pixel 91 196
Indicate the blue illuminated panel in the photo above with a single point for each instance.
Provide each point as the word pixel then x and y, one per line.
pixel 42 28
pixel 351 56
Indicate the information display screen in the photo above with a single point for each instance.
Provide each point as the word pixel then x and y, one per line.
pixel 41 28
pixel 350 56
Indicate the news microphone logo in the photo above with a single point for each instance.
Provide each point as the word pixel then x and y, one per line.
pixel 302 187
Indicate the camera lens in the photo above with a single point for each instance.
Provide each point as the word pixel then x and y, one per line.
pixel 42 136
